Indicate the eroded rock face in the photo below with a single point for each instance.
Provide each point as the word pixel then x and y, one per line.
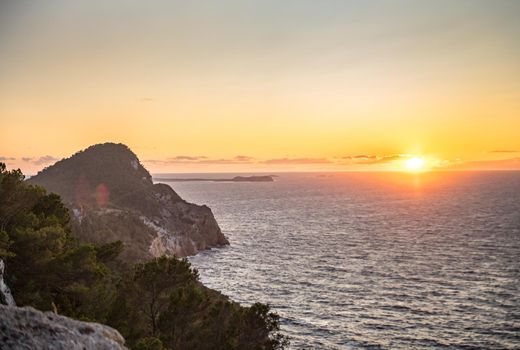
pixel 27 328
pixel 194 226
pixel 112 197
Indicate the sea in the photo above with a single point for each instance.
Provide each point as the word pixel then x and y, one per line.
pixel 371 260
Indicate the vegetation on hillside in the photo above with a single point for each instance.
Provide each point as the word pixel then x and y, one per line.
pixel 112 197
pixel 108 174
pixel 158 304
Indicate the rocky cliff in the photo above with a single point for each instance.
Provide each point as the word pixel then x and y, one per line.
pixel 27 328
pixel 112 197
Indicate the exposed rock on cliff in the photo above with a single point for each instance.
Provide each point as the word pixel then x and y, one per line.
pixel 27 328
pixel 112 197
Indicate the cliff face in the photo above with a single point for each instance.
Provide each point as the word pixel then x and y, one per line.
pixel 27 328
pixel 112 197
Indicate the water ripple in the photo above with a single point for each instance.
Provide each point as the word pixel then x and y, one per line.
pixel 357 261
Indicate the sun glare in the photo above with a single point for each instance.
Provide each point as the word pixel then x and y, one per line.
pixel 415 164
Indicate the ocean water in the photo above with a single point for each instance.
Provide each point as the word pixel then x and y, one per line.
pixel 373 261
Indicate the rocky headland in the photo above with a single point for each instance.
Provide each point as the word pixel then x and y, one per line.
pixel 111 197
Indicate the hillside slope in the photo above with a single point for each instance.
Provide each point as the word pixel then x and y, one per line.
pixel 112 197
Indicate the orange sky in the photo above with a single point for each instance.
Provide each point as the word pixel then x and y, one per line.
pixel 262 85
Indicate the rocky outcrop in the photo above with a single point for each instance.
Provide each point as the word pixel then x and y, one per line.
pixel 112 197
pixel 27 328
pixel 6 298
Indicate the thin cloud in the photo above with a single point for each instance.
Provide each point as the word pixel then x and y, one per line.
pixel 234 160
pixel 297 161
pixel 501 164
pixel 44 160
pixel 364 156
pixel 4 159
pixel 40 160
pixel 381 160
pixel 241 159
pixel 153 161
pixel 503 151
pixel 358 156
pixel 186 158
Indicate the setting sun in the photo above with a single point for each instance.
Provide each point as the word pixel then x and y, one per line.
pixel 415 164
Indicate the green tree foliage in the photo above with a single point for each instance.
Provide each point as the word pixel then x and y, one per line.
pixel 149 343
pixel 164 299
pixel 158 305
pixel 155 281
pixel 47 267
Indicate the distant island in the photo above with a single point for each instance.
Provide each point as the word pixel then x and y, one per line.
pixel 263 178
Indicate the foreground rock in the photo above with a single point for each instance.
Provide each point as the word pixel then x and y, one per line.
pixel 27 328
pixel 6 298
pixel 112 197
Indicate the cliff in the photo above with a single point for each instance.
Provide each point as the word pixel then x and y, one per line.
pixel 111 196
pixel 27 328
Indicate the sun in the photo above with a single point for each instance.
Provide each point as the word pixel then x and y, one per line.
pixel 415 164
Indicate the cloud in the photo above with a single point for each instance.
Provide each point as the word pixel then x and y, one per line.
pixel 153 161
pixel 4 159
pixel 364 156
pixel 359 157
pixel 381 160
pixel 186 158
pixel 503 151
pixel 27 159
pixel 241 159
pixel 502 164
pixel 235 160
pixel 297 161
pixel 147 99
pixel 44 160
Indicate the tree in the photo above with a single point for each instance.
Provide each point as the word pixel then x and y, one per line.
pixel 149 343
pixel 47 266
pixel 156 280
pixel 178 324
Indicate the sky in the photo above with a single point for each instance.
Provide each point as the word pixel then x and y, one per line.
pixel 291 85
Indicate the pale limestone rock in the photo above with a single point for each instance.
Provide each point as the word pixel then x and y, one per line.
pixel 30 329
pixel 6 298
